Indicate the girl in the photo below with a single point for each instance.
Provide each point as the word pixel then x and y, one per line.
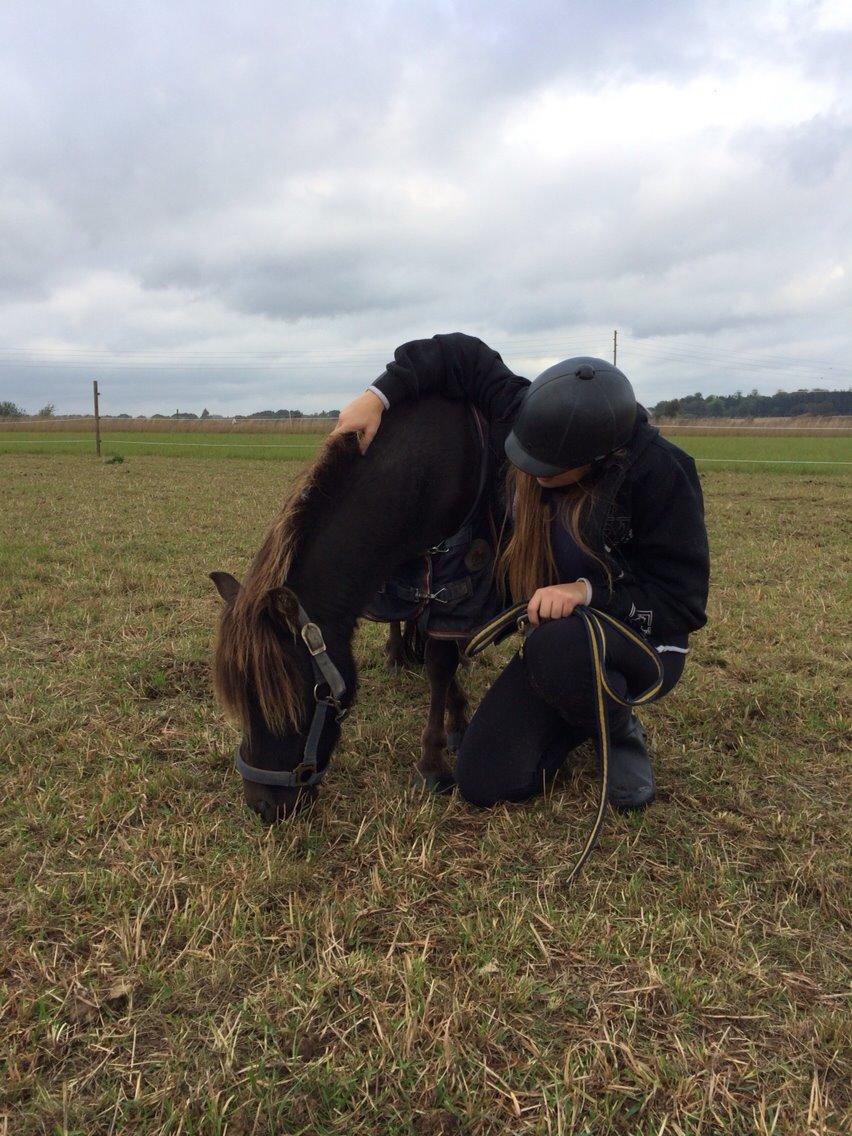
pixel 604 511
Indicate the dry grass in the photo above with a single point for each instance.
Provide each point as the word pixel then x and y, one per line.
pixel 395 963
pixel 813 425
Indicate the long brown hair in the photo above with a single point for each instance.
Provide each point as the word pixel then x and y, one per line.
pixel 527 562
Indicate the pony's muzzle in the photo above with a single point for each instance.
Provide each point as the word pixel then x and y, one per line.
pixel 274 805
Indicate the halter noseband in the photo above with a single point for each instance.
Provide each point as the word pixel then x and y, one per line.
pixel 329 690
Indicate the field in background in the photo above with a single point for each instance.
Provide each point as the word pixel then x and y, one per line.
pixel 393 962
pixel 725 450
pixel 172 443
pixel 803 424
pixel 745 451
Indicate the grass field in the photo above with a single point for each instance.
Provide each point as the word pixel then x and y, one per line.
pixel 292 447
pixel 832 453
pixel 392 962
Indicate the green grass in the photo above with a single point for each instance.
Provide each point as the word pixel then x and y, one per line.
pixel 392 962
pixel 138 443
pixel 745 453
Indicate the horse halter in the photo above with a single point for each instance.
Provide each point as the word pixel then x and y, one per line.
pixel 329 690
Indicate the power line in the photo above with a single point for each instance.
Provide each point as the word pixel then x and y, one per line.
pixel 291 361
pixel 311 355
pixel 741 358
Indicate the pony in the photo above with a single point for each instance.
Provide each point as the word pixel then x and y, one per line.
pixel 283 664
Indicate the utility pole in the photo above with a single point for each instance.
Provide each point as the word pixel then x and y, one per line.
pixel 97 418
pixel 615 349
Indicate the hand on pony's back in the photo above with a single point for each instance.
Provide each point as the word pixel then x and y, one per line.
pixel 362 416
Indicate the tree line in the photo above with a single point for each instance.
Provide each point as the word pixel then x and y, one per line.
pixel 782 404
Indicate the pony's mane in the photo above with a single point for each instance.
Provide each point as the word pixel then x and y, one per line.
pixel 321 479
pixel 250 659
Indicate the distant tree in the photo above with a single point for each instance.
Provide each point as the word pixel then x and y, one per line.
pixel 10 410
pixel 277 414
pixel 47 411
pixel 782 404
pixel 205 413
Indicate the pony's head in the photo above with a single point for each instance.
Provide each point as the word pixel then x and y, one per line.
pixel 265 680
pixel 263 669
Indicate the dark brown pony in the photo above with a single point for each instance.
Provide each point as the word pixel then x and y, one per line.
pixel 348 521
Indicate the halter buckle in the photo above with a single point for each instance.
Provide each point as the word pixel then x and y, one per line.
pixel 313 640
pixel 304 773
pixel 340 711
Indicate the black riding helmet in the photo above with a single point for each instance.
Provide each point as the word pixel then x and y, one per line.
pixel 574 413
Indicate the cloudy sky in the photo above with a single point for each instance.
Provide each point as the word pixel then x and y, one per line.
pixel 248 206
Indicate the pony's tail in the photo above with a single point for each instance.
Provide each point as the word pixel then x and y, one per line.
pixel 251 662
pixel 413 643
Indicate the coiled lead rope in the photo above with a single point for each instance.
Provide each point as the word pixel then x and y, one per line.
pixel 593 621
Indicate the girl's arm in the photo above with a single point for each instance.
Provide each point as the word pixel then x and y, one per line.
pixel 456 366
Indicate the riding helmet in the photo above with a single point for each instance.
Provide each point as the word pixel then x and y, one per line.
pixel 574 413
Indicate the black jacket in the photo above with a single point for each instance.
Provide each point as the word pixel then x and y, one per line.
pixel 648 523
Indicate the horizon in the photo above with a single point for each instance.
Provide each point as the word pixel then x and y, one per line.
pixel 280 412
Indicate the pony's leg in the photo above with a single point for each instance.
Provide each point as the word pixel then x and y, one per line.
pixel 442 658
pixel 457 715
pixel 394 648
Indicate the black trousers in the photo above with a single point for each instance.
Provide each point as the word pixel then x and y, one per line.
pixel 542 706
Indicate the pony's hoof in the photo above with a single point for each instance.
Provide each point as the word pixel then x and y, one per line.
pixel 454 740
pixel 434 782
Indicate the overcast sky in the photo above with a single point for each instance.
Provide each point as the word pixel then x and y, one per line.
pixel 250 205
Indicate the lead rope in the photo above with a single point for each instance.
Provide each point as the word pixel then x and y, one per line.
pixel 593 621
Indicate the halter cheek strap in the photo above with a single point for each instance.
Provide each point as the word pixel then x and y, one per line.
pixel 329 691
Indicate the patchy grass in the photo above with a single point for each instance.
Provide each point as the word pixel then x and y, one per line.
pixel 391 962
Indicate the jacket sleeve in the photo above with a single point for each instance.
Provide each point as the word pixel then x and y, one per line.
pixel 665 567
pixel 456 366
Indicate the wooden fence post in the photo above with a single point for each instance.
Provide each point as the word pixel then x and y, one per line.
pixel 97 419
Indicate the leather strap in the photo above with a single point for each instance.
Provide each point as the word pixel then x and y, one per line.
pixel 327 675
pixel 515 619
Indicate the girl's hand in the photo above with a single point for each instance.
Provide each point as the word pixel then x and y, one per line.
pixel 555 602
pixel 361 416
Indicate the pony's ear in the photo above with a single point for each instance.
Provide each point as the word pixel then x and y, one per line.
pixel 284 605
pixel 227 586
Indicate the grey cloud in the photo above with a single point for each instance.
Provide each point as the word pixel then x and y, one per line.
pixel 292 287
pixel 809 154
pixel 329 176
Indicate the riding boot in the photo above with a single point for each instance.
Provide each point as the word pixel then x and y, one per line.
pixel 631 779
